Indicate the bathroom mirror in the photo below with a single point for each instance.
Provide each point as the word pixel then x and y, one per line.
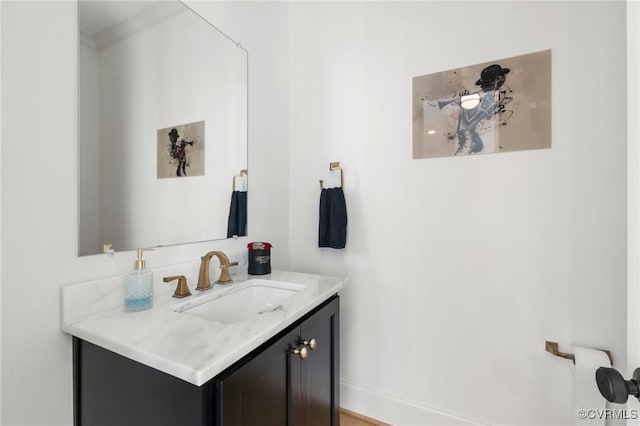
pixel 162 125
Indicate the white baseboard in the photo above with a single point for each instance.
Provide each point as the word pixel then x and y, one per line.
pixel 393 410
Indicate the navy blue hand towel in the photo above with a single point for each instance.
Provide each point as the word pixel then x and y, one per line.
pixel 332 230
pixel 237 224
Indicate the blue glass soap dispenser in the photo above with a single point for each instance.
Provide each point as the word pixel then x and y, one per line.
pixel 138 287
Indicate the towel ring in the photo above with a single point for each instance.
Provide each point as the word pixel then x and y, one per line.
pixel 333 166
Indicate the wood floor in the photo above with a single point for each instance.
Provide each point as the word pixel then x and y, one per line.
pixel 349 418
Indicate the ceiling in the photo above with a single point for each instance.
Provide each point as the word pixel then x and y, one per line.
pixel 96 17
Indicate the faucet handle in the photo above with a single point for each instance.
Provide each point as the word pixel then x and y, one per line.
pixel 182 290
pixel 203 277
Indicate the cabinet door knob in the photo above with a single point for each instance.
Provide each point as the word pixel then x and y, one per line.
pixel 302 352
pixel 310 343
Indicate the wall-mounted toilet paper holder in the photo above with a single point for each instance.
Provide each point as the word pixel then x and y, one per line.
pixel 612 386
pixel 552 347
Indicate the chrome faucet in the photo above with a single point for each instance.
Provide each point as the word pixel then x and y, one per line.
pixel 203 278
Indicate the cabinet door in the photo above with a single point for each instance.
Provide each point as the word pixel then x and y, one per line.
pixel 319 373
pixel 260 392
pixel 110 390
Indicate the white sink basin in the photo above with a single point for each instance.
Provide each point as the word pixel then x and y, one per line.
pixel 255 297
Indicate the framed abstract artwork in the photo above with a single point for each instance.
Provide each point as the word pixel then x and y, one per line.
pixel 497 106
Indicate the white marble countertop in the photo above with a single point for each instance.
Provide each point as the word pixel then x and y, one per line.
pixel 188 347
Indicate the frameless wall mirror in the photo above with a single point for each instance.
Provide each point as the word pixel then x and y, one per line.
pixel 162 125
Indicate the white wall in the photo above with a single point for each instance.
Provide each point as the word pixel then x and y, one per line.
pixel 461 268
pixel 633 192
pixel 39 187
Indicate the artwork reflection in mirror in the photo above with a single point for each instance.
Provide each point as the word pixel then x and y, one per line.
pixel 145 69
pixel 181 150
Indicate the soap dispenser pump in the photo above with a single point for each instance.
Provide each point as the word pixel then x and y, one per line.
pixel 138 286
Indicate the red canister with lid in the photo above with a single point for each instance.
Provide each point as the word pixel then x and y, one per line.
pixel 259 258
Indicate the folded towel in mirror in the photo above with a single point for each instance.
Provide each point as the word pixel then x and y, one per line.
pixel 237 224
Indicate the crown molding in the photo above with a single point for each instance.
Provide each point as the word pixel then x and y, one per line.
pixel 87 40
pixel 130 27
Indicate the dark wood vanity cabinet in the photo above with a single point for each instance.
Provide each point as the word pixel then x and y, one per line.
pixel 271 386
pixel 279 387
